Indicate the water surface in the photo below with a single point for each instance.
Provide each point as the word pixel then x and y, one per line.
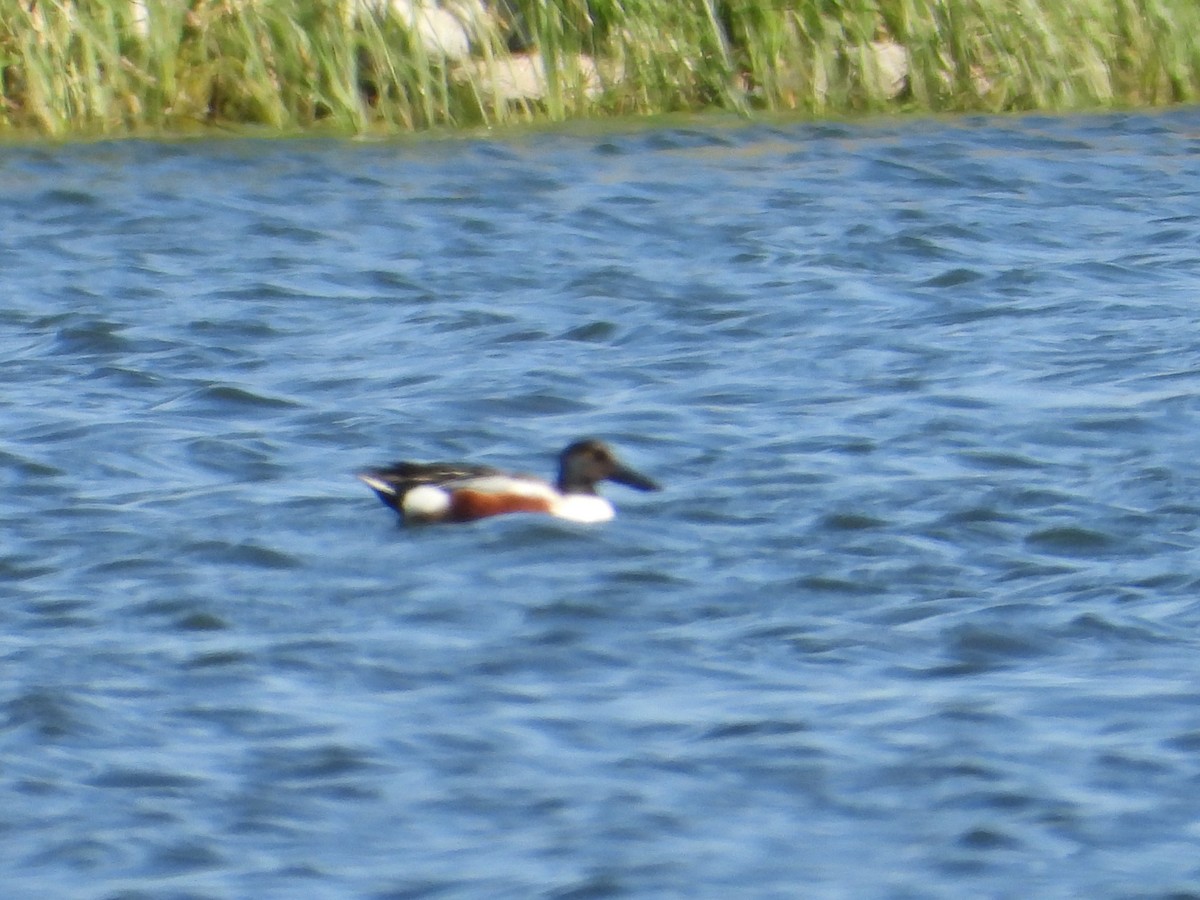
pixel 916 615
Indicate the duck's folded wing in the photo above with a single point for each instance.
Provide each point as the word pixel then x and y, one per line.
pixel 414 473
pixel 393 481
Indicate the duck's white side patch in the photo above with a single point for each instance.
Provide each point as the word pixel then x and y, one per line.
pixel 585 508
pixel 426 501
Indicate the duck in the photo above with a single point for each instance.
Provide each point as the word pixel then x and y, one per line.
pixel 430 492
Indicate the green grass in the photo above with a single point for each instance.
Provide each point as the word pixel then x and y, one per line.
pixel 91 67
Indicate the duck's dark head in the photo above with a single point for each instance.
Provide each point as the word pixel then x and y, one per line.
pixel 584 463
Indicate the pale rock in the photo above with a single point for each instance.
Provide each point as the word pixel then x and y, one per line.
pixel 444 30
pixel 891 67
pixel 522 77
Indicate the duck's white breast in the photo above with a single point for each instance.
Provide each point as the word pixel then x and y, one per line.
pixel 586 508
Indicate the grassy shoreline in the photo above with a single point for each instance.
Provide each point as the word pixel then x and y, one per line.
pixel 116 67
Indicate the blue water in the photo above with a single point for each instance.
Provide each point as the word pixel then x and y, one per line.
pixel 917 615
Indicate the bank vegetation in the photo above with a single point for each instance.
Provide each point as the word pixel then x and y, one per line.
pixel 360 66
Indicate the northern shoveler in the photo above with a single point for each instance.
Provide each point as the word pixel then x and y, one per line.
pixel 457 492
